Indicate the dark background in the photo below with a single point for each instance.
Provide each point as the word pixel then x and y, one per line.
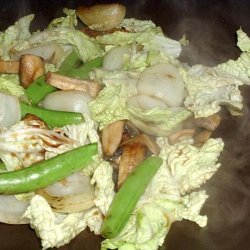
pixel 210 28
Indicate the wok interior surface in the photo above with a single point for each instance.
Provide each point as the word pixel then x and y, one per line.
pixel 210 28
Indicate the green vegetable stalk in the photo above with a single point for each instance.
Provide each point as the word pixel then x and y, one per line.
pixel 44 173
pixel 52 118
pixel 128 195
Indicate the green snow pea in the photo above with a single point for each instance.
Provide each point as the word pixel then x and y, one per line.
pixel 128 195
pixel 53 118
pixel 42 174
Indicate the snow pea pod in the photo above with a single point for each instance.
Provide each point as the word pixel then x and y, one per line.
pixel 53 118
pixel 44 173
pixel 38 89
pixel 128 195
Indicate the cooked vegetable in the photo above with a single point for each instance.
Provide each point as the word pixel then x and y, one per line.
pixel 164 82
pixel 70 203
pixel 67 100
pixel 133 153
pixel 12 210
pixel 128 195
pixel 210 123
pixel 201 137
pixel 111 137
pixel 10 112
pixel 50 52
pixel 73 194
pixel 51 117
pixel 69 83
pixel 102 17
pixel 9 67
pixel 39 88
pixel 71 61
pixel 44 173
pixel 31 68
pixel 81 72
pixel 180 135
pixel 2 166
pixel 114 59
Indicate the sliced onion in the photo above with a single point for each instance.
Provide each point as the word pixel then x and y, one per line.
pixel 51 52
pixel 69 203
pixel 145 102
pixel 10 111
pixel 71 195
pixel 12 210
pixel 164 82
pixel 68 100
pixel 114 58
pixel 74 184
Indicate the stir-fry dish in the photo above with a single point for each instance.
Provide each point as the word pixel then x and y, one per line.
pixel 103 127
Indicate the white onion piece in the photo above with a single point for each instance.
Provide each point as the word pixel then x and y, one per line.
pixel 164 82
pixel 12 210
pixel 68 100
pixel 51 52
pixel 113 60
pixel 10 111
pixel 145 102
pixel 76 183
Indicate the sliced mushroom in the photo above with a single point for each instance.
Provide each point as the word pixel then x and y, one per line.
pixel 133 154
pixel 111 137
pixel 102 17
pixel 147 141
pixel 70 83
pixel 31 67
pixel 180 135
pixel 9 67
pixel 210 123
pixel 201 137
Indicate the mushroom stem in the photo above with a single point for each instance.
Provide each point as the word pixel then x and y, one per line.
pixel 9 67
pixel 69 83
pixel 180 135
pixel 210 123
pixel 31 67
pixel 202 137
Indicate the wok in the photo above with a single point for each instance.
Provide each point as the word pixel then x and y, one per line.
pixel 210 28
